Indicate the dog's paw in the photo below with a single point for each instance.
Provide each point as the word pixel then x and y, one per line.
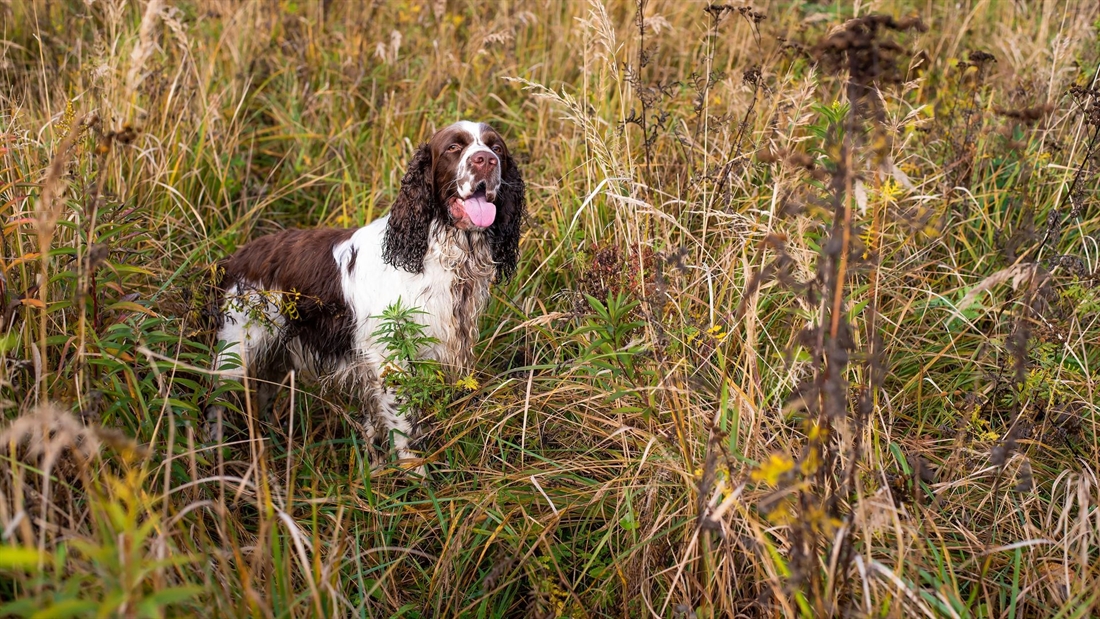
pixel 411 465
pixel 415 468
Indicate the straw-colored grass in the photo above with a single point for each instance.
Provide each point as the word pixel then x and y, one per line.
pixel 807 321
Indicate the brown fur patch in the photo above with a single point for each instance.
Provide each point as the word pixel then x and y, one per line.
pixel 300 266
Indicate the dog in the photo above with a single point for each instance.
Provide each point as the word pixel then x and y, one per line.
pixel 309 300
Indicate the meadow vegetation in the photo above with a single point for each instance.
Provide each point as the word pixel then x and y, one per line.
pixel 806 323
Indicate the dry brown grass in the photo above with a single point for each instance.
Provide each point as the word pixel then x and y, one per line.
pixel 838 360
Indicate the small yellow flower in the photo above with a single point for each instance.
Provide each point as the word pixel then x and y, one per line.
pixel 891 191
pixel 65 123
pixel 868 239
pixel 775 467
pixel 468 383
pixel 811 463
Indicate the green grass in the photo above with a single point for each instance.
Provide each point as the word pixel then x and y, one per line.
pixel 774 348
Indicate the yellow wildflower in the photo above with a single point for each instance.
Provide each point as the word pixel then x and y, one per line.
pixel 775 467
pixel 891 191
pixel 467 383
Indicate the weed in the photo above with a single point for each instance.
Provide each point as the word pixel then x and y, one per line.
pixel 419 383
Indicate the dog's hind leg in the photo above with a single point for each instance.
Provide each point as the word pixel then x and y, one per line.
pixel 248 337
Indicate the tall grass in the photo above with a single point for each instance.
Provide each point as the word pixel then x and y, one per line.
pixel 806 322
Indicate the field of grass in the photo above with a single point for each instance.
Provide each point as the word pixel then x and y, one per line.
pixel 806 323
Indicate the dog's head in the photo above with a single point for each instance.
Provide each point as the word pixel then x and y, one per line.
pixel 465 178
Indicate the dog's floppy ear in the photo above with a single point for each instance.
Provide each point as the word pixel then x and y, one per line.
pixel 411 215
pixel 511 208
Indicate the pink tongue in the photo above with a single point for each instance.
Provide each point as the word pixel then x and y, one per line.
pixel 480 211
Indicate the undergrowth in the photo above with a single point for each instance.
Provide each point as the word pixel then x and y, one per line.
pixel 419 383
pixel 806 321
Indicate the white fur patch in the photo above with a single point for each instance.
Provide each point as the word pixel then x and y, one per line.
pixel 252 324
pixel 464 174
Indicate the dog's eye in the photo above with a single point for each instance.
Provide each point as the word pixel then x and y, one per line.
pixel 498 149
pixel 454 148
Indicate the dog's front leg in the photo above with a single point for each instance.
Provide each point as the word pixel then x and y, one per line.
pixel 397 426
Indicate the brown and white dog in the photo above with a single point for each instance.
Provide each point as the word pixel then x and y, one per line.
pixel 310 300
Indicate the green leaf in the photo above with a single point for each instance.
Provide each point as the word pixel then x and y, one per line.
pixel 18 557
pixel 165 597
pixel 66 608
pixel 8 342
pixel 19 608
pixel 375 591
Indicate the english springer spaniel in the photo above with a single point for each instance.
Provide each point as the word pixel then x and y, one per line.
pixel 310 300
